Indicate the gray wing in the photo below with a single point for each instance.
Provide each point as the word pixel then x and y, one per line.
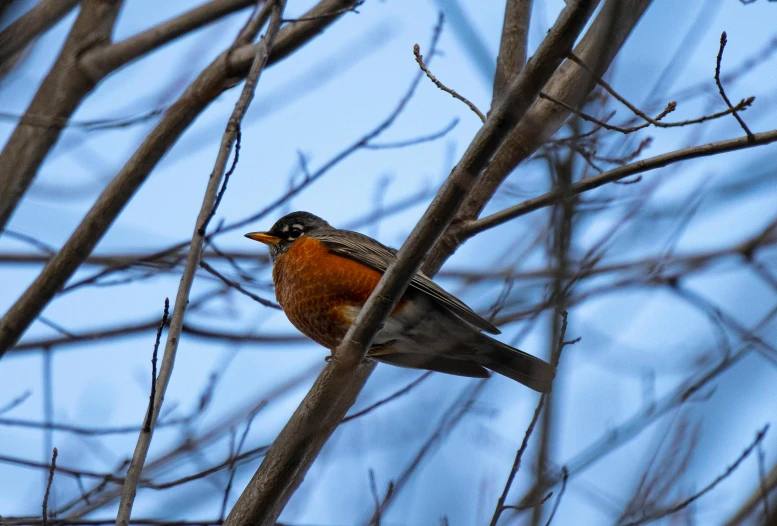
pixel 378 256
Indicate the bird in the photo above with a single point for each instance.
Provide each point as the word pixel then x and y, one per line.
pixel 324 275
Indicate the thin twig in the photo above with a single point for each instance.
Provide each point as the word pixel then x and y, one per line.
pixel 350 9
pixel 762 483
pixel 709 487
pixel 19 400
pixel 409 387
pixel 52 468
pixel 43 247
pixel 500 504
pixel 49 121
pixel 723 40
pixel 238 287
pixel 152 397
pixel 457 410
pixel 634 425
pixel 336 388
pixel 743 104
pixel 543 500
pixel 375 499
pixel 414 141
pixel 238 137
pixel 564 477
pixel 233 466
pixel 420 59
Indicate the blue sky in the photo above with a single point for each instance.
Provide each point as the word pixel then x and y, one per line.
pixel 319 101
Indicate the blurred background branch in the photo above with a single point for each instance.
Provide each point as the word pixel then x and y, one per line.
pixel 620 189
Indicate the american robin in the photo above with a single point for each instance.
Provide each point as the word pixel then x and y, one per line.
pixel 324 275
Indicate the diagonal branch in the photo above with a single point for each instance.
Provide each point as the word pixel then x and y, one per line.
pixel 472 228
pixel 633 426
pixel 420 59
pixel 449 420
pixel 300 441
pixel 59 95
pixel 102 62
pixel 193 260
pixel 18 35
pixel 706 489
pixel 602 41
pixel 88 57
pixel 217 77
pixel 512 46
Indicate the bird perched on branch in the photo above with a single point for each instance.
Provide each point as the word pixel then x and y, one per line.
pixel 324 275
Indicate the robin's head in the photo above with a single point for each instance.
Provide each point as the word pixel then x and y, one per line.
pixel 287 230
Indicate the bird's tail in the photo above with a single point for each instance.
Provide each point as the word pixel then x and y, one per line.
pixel 510 362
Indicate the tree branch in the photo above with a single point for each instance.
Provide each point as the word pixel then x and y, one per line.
pixel 722 91
pixel 59 95
pixel 420 59
pixel 28 147
pixel 471 228
pixel 614 438
pixel 193 260
pixel 300 441
pixel 598 47
pixel 103 61
pixel 706 489
pixel 42 16
pixel 512 46
pixel 217 77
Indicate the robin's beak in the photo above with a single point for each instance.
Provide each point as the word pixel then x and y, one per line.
pixel 264 237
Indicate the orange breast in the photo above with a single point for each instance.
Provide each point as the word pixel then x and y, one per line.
pixel 313 286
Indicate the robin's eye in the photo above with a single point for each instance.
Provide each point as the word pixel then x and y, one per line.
pixel 294 233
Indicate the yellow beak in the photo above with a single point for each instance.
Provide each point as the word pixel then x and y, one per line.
pixel 264 237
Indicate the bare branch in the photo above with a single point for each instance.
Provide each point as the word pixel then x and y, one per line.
pixel 47 121
pixel 474 227
pixel 420 59
pixel 209 84
pixel 21 33
pixel 45 514
pixel 564 477
pixel 598 47
pixel 512 46
pixel 449 420
pixel 102 62
pixel 401 392
pixel 723 41
pixel 336 388
pixel 638 422
pixel 195 253
pixel 500 504
pixel 232 284
pixel 16 402
pixel 709 487
pixel 152 397
pixel 308 18
pixel 297 34
pixel 415 140
pixel 59 95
